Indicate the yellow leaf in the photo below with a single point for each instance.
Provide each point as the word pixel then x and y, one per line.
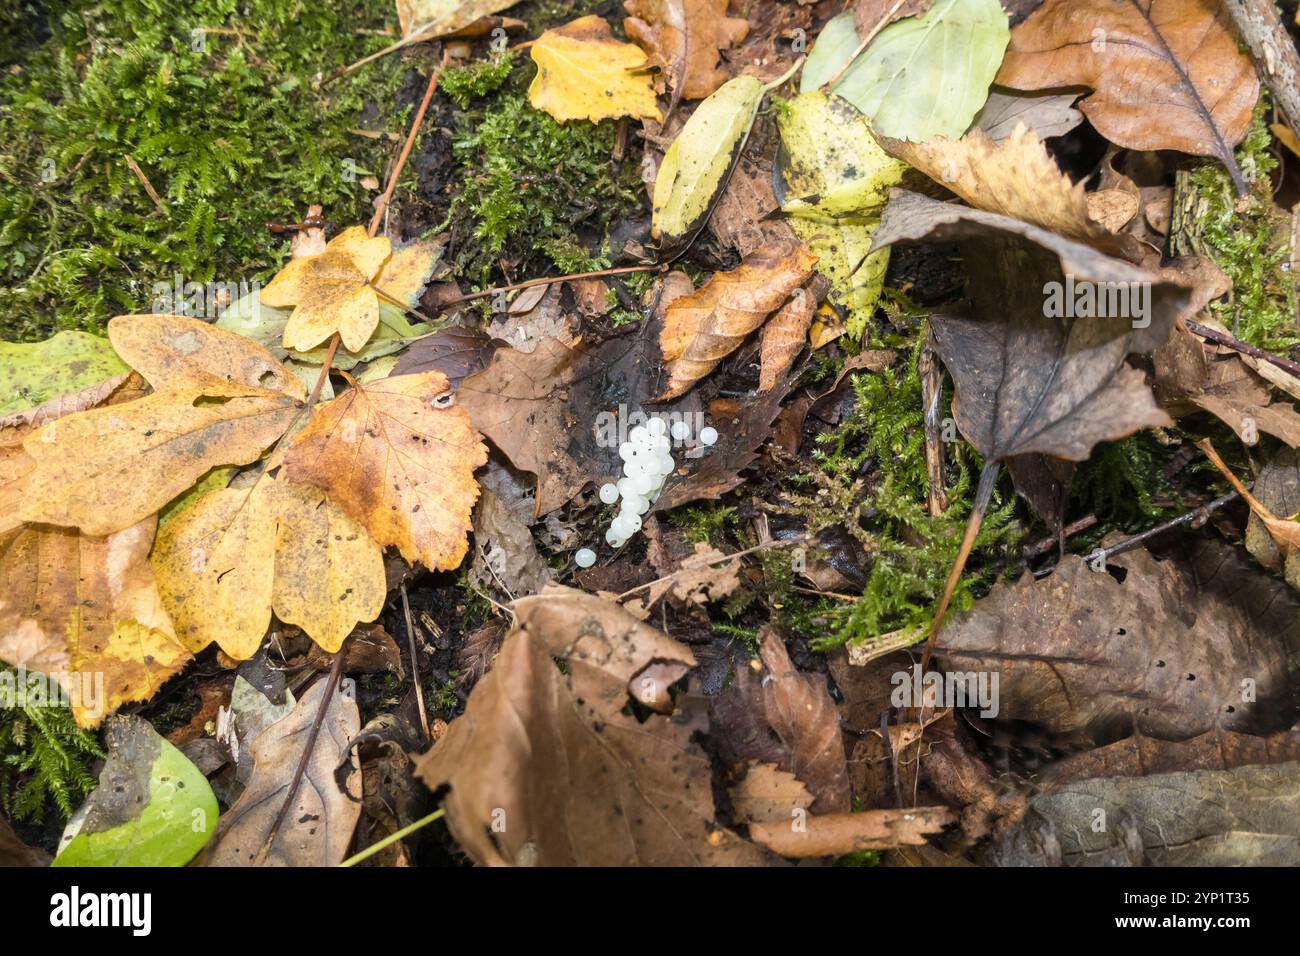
pixel 331 292
pixel 86 611
pixel 584 73
pixel 174 352
pixel 399 460
pixel 836 181
pixel 237 554
pixel 107 468
pixel 436 18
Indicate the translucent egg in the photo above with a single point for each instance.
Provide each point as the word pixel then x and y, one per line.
pixel 656 426
pixel 708 435
pixel 642 484
pixel 637 504
pixel 636 468
pixel 639 435
pixel 660 444
pixel 626 450
pixel 584 557
pixel 609 492
pixel 625 487
pixel 614 539
pixel 680 430
pixel 630 519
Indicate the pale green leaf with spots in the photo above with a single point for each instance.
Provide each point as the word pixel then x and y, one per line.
pixel 835 182
pixel 152 806
pixel 32 373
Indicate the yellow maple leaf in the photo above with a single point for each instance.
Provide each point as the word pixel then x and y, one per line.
pixel 104 469
pixel 237 554
pixel 331 292
pixel 86 611
pixel 584 73
pixel 398 458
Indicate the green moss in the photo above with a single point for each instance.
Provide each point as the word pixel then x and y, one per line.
pixel 871 479
pixel 44 757
pixel 214 100
pixel 704 524
pixel 536 193
pixel 1247 237
pixel 464 84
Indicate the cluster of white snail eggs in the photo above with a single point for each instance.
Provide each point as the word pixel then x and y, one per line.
pixel 647 462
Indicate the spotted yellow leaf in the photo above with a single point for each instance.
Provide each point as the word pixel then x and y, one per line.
pixel 583 73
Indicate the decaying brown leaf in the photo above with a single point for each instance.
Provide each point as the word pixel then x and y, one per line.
pixel 703 328
pixel 772 713
pixel 1166 74
pixel 767 794
pixel 1278 489
pixel 316 828
pixel 549 767
pixel 1046 114
pixel 869 15
pixel 505 554
pixel 838 833
pixel 1144 756
pixel 399 458
pixel 786 332
pixel 685 37
pixel 555 412
pixel 1241 816
pixel 86 611
pixel 1178 648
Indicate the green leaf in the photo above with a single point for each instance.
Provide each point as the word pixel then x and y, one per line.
pixel 31 374
pixel 920 77
pixel 152 806
pixel 835 182
pixel 695 170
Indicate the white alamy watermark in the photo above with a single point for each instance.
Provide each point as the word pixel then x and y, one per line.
pixel 1085 299
pixel 953 689
pixel 75 908
pixel 202 300
pixel 82 690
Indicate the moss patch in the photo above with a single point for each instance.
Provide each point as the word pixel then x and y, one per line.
pixel 214 101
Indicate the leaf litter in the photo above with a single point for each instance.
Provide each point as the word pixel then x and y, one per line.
pixel 356 522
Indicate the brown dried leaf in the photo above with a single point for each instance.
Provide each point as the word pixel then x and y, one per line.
pixel 318 826
pixel 768 795
pixel 839 833
pixel 455 352
pixel 703 328
pixel 1027 382
pixel 1165 651
pixel 1144 756
pixel 869 15
pixel 1047 115
pixel 1166 74
pixel 686 37
pixel 400 459
pixel 505 554
pixel 547 767
pixel 786 332
pixel 775 714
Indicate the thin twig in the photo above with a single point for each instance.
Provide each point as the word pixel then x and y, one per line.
pixel 871 35
pixel 415 664
pixel 547 280
pixel 144 181
pixel 382 205
pixel 1245 348
pixel 1097 558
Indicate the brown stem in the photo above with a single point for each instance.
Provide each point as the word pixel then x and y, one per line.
pixel 983 494
pixel 382 205
pixel 331 685
pixel 931 395
pixel 547 280
pixel 1245 348
pixel 871 35
pixel 415 664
